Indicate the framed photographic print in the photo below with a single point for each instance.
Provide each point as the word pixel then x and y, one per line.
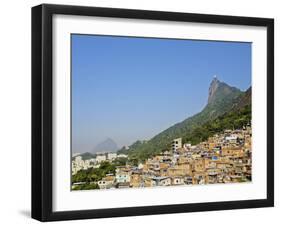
pixel 145 112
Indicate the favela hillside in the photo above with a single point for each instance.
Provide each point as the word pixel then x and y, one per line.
pixel 211 147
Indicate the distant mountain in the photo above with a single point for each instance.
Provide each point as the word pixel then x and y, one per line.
pixel 221 100
pixel 107 145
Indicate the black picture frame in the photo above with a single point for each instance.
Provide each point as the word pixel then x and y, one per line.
pixel 42 111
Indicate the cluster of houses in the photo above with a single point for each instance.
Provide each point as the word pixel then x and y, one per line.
pixel 223 158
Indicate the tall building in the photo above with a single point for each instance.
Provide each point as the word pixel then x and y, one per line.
pixel 111 156
pixel 177 143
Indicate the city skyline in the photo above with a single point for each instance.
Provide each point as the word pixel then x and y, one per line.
pixel 130 89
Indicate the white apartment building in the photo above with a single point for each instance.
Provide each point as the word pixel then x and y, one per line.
pixel 177 143
pixel 101 158
pixel 111 156
pixel 122 156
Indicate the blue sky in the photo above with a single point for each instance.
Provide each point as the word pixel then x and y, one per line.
pixel 133 88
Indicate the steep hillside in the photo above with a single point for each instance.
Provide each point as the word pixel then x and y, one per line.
pixel 244 101
pixel 222 100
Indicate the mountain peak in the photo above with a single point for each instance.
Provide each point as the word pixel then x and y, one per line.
pixel 222 99
pixel 108 145
pixel 220 90
pixel 213 88
pixel 215 79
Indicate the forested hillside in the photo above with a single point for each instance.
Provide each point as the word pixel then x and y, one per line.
pixel 227 108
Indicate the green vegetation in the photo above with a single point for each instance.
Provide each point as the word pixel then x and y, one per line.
pixel 120 161
pixel 86 186
pixel 92 175
pixel 230 120
pixel 228 109
pixel 86 155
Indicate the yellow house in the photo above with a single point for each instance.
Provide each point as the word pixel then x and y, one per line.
pixel 135 180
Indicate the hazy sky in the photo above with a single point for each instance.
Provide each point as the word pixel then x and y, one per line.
pixel 133 88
